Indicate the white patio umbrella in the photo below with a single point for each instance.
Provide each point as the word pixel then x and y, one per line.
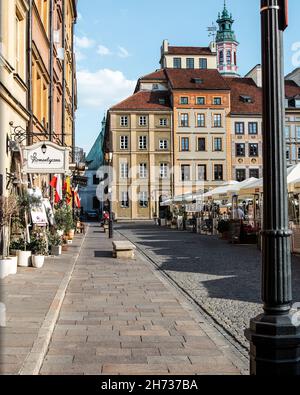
pixel 229 190
pixel 219 189
pixel 252 187
pixel 293 174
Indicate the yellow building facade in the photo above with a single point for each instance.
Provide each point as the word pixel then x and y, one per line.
pixel 140 138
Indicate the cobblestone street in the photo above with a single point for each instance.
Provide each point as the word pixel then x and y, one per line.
pixel 223 278
pixel 109 316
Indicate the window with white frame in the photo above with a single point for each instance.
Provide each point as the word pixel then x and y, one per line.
pixel 163 170
pixel 143 142
pixel 124 142
pixel 143 120
pixel 163 144
pixel 163 122
pixel 201 120
pixel 184 120
pixel 143 170
pixel 217 120
pixel 124 200
pixel 144 199
pixel 124 170
pixel 124 120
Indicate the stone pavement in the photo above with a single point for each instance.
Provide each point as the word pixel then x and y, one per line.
pixel 122 317
pixel 32 298
pixel 224 279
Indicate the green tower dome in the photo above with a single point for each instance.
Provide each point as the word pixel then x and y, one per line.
pixel 225 22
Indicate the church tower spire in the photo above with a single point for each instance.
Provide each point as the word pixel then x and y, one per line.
pixel 227 45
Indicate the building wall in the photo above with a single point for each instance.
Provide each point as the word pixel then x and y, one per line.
pixel 57 71
pixel 13 86
pixel 152 156
pixel 292 133
pixel 40 67
pixel 168 61
pixel 68 59
pixel 246 162
pixel 194 157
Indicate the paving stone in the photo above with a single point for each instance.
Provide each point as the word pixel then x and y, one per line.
pixel 119 319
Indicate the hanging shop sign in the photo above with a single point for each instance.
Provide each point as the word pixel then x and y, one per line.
pixel 80 180
pixel 46 158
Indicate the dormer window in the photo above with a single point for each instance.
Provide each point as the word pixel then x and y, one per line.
pixel 162 101
pixel 246 99
pixel 197 80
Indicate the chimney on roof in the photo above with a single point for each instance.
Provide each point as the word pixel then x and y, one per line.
pixel 165 46
pixel 256 75
pixel 164 50
pixel 213 47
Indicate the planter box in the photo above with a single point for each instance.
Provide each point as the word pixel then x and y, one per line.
pixel 13 264
pixel 24 258
pixel 71 234
pixel 56 250
pixel 5 268
pixel 38 261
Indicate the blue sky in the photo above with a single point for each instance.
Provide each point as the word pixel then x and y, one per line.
pixel 119 40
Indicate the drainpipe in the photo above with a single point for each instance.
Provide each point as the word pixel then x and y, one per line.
pixel 29 73
pixel 63 72
pixel 51 68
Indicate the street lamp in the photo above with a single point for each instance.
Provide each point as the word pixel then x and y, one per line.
pixel 109 159
pixel 274 337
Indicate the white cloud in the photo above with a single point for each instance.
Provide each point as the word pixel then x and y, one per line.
pixel 79 16
pixel 84 42
pixel 103 88
pixel 123 53
pixel 103 51
pixel 79 55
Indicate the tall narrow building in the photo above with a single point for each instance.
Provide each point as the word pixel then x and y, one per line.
pixel 227 45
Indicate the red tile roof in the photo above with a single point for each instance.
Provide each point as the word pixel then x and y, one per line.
pixel 190 51
pixel 245 87
pixel 156 75
pixel 291 89
pixel 184 79
pixel 145 100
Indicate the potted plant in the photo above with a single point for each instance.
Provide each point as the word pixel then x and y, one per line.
pixel 24 254
pixel 8 207
pixel 64 220
pixel 39 250
pixel 55 241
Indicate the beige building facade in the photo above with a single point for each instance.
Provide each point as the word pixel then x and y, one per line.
pixel 201 104
pixel 188 57
pixel 140 138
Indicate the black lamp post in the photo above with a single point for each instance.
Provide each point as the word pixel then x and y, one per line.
pixel 110 226
pixel 274 339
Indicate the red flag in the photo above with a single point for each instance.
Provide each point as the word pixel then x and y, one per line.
pixel 53 182
pixel 77 198
pixel 56 184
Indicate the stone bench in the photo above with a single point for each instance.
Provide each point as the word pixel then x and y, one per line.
pixel 123 250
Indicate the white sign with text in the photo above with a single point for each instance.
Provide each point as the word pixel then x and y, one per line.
pixel 46 158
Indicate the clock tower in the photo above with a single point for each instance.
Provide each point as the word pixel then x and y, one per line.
pixel 227 45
